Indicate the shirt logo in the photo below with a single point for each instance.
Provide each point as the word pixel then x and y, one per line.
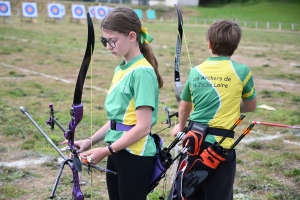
pixel 125 89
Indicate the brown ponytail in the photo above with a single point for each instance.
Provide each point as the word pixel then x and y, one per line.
pixel 146 50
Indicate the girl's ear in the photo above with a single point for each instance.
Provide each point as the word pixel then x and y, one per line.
pixel 132 36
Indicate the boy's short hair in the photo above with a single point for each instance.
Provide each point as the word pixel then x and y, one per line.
pixel 224 37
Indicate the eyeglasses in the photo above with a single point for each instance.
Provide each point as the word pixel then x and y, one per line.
pixel 111 43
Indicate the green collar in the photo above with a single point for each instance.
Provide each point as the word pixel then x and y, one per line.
pixel 218 58
pixel 124 65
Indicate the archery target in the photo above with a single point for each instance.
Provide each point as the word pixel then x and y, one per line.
pixel 78 11
pixel 139 13
pixel 92 11
pixel 62 10
pixel 5 8
pixel 54 10
pixel 101 12
pixel 29 9
pixel 151 14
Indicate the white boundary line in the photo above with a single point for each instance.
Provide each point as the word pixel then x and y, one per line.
pixel 268 137
pixel 49 76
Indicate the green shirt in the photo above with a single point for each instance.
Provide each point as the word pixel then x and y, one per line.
pixel 134 84
pixel 215 88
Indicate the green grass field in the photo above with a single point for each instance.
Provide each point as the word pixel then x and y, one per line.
pixel 39 64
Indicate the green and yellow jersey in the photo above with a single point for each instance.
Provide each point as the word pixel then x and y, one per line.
pixel 215 88
pixel 134 84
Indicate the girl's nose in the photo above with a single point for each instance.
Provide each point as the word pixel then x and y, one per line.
pixel 108 47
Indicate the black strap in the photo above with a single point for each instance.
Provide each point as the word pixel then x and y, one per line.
pixel 220 132
pixel 119 127
pixel 212 130
pixel 156 141
pixel 113 125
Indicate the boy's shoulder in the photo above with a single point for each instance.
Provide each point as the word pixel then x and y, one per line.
pixel 238 64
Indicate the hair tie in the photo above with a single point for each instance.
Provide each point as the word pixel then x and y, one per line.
pixel 145 37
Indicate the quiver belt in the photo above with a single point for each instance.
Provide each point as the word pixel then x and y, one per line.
pixel 194 138
pixel 201 161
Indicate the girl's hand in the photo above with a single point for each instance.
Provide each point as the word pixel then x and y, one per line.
pixel 95 155
pixel 81 145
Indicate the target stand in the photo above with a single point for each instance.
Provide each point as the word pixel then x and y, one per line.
pixel 55 13
pixel 28 19
pixel 5 11
pixel 78 14
pixel 53 20
pixel 29 12
pixel 76 21
pixel 6 19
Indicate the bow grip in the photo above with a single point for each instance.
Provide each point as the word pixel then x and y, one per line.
pixel 178 90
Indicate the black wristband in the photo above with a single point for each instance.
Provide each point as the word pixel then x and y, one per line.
pixel 112 151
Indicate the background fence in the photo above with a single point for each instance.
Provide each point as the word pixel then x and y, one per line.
pixel 245 24
pixel 160 14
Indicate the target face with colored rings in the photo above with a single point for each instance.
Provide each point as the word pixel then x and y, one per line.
pixel 102 12
pixel 93 11
pixel 78 11
pixel 29 9
pixel 54 10
pixel 3 8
